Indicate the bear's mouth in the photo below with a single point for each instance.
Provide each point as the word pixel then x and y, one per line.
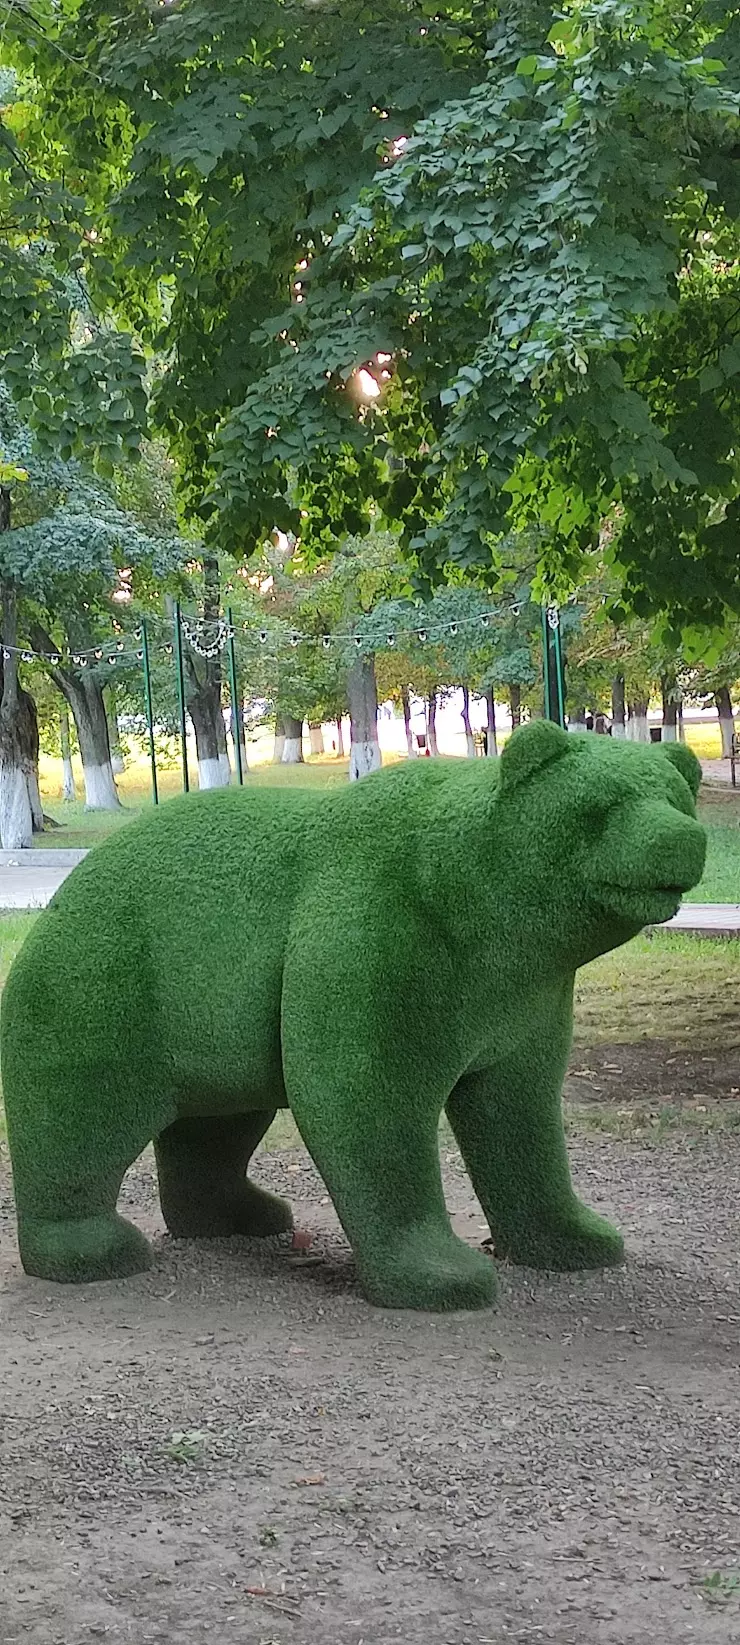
pixel 645 904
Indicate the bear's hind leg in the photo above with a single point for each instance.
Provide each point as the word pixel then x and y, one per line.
pixel 203 1188
pixel 66 1192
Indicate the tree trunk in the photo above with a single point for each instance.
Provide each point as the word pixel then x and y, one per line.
pixel 341 751
pixel 85 698
pixel 726 719
pixel 293 746
pixel 277 753
pixel 16 817
pixel 637 720
pixel 406 705
pixel 68 780
pixel 316 737
pixel 618 706
pixel 469 738
pixel 491 742
pixel 204 708
pixel 670 709
pixel 30 742
pixel 116 757
pixel 364 753
pixel 431 717
pixel 515 704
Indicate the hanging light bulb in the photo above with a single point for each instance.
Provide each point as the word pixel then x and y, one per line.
pixel 294 638
pixel 422 635
pixel 453 628
pixel 485 619
pixel 54 659
pixel 99 654
pixel 326 641
pixel 263 636
pixel 358 640
pixel 390 640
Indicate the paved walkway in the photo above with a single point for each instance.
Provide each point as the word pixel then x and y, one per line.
pixel 28 879
pixel 707 919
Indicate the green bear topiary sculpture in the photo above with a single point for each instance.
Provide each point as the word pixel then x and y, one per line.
pixel 367 957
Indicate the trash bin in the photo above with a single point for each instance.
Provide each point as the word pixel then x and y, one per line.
pixel 656 734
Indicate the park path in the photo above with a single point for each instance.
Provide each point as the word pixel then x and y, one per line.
pixel 28 879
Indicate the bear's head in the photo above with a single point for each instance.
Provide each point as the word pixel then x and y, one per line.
pixel 607 829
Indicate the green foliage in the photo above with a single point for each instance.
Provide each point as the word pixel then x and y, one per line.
pixel 79 381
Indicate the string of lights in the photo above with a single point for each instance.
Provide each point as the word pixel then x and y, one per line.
pixel 209 637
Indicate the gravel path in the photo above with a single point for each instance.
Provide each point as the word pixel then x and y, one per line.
pixel 565 1470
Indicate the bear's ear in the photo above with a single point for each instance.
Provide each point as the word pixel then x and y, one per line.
pixel 685 761
pixel 528 750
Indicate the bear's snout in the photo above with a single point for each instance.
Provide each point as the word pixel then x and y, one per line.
pixel 651 855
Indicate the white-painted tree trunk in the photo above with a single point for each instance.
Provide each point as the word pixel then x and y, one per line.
pixel 669 734
pixel 68 780
pixel 491 739
pixel 469 738
pixel 726 719
pixel 411 749
pixel 341 754
pixel 364 757
pixel 364 753
pixel 100 788
pixel 211 774
pixel 16 817
pixel 293 745
pixel 638 730
pixel 37 810
pixel 225 764
pixel 279 748
pixel 316 737
pixel 431 718
pixel 578 722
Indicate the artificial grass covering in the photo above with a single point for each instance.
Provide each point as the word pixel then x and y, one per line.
pixel 366 956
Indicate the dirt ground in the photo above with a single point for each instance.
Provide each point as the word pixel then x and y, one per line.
pixel 564 1470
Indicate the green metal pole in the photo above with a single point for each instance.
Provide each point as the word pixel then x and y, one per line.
pixel 148 700
pixel 546 664
pixel 559 670
pixel 235 709
pixel 181 699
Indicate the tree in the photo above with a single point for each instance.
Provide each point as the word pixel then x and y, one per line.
pixel 70 562
pixel 518 263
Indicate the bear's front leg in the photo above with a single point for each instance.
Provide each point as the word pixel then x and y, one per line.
pixel 367 1082
pixel 508 1122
